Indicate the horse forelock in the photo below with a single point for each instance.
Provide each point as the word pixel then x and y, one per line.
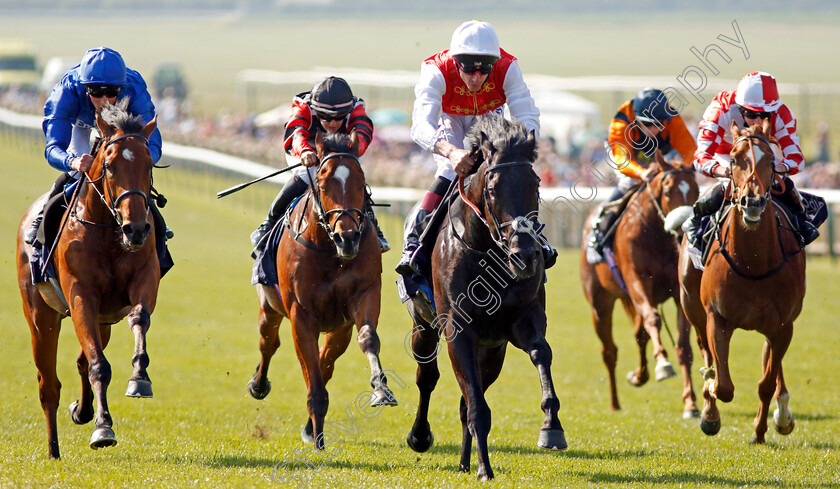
pixel 337 142
pixel 507 137
pixel 117 116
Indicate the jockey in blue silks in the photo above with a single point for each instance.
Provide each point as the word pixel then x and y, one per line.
pixel 70 114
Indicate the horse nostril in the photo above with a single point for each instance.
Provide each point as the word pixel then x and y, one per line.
pixel 337 238
pixel 127 230
pixel 146 229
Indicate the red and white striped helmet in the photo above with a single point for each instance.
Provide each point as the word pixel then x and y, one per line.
pixel 757 91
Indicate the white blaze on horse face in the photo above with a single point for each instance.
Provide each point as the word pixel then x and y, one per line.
pixel 341 174
pixel 684 188
pixel 758 153
pixel 128 155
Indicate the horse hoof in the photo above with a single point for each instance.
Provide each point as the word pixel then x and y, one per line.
pixel 103 437
pixel 306 434
pixel 754 440
pixel 633 380
pixel 786 429
pixel 139 388
pixel 664 370
pixel 691 413
pixel 76 416
pixel 419 445
pixel 552 440
pixel 383 397
pixel 710 428
pixel 485 475
pixel 255 392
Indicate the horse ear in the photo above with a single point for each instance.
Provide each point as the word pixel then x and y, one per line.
pixel 531 140
pixel 104 128
pixel 660 159
pixel 354 143
pixel 765 126
pixel 319 143
pixel 735 130
pixel 149 128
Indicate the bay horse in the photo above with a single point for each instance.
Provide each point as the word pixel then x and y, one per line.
pixel 646 254
pixel 329 269
pixel 754 279
pixel 107 267
pixel 487 276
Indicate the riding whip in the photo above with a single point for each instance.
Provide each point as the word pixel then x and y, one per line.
pixel 239 187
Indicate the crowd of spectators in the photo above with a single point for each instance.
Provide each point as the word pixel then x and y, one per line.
pixel 392 158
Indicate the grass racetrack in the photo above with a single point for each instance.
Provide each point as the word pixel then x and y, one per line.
pixel 202 429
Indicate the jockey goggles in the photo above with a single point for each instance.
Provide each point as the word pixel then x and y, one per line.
pixel 99 91
pixel 331 118
pixel 752 114
pixel 470 64
pixel 471 69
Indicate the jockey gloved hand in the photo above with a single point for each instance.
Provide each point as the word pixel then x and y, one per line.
pixel 648 174
pixel 781 167
pixel 461 161
pixel 309 159
pixel 723 172
pixel 82 163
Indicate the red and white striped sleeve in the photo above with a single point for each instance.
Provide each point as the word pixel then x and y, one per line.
pixel 785 134
pixel 712 132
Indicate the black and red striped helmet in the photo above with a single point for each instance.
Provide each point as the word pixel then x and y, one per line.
pixel 332 96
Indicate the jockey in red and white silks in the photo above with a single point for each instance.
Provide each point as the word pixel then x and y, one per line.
pixel 756 94
pixel 445 108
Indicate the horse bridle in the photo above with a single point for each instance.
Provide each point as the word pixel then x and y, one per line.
pixel 520 224
pixel 324 215
pixel 720 234
pixel 655 199
pixel 108 189
pixel 739 193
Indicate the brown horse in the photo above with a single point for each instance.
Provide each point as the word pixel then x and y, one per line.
pixel 329 267
pixel 754 279
pixel 646 255
pixel 107 268
pixel 487 268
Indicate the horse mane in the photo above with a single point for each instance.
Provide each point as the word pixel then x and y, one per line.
pixel 337 142
pixel 504 135
pixel 117 115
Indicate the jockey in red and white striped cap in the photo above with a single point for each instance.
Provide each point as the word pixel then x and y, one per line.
pixel 754 100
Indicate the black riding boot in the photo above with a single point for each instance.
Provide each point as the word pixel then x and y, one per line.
pixel 707 204
pixel 383 243
pixel 411 248
pixel 793 200
pixel 293 188
pixel 32 233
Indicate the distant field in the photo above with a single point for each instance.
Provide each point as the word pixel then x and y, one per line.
pixel 797 48
pixel 203 430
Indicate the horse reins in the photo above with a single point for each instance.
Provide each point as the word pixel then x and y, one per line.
pixel 323 215
pixel 107 186
pixel 735 201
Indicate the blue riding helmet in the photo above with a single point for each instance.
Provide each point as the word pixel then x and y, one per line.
pixel 102 66
pixel 651 105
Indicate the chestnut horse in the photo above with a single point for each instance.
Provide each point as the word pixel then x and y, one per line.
pixel 487 269
pixel 107 266
pixel 646 255
pixel 329 266
pixel 754 279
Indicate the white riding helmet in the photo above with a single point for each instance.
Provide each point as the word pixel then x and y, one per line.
pixel 757 91
pixel 475 37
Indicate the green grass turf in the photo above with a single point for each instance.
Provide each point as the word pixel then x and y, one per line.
pixel 202 429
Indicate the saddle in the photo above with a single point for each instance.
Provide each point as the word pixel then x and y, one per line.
pixel 609 215
pixel 49 233
pixel 816 211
